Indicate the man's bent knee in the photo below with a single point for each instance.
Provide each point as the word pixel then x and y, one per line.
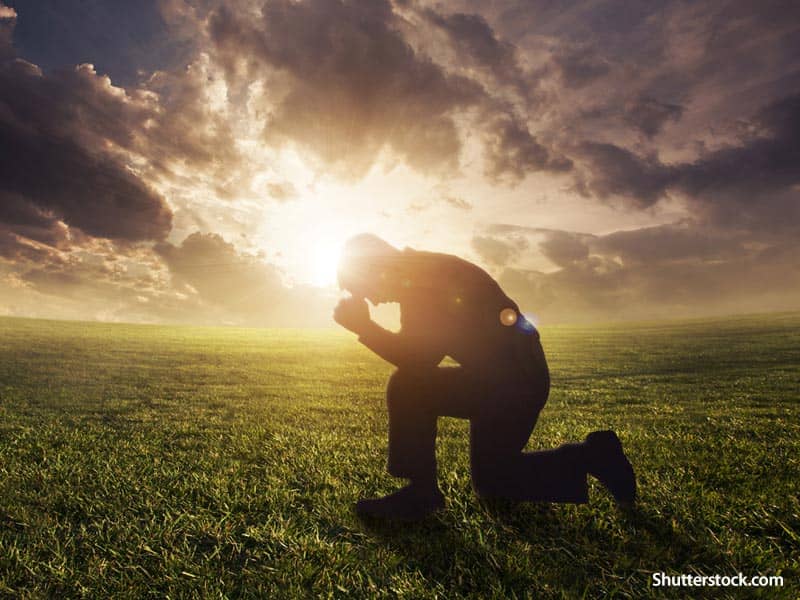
pixel 404 385
pixel 486 483
pixel 491 475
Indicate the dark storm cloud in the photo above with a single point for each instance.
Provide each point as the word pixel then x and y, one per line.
pixel 355 85
pixel 511 94
pixel 616 171
pixel 473 35
pixel 751 185
pixel 675 73
pixel 649 115
pixel 48 162
pixel 754 185
pixel 578 66
pixel 18 215
pixel 476 44
pixel 15 249
pixel 78 153
pixel 513 152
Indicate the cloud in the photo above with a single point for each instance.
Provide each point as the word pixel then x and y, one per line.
pixel 564 248
pixel 681 111
pixel 754 184
pixel 236 287
pixel 749 185
pixel 616 171
pixel 348 87
pixel 649 115
pixel 202 280
pixel 7 21
pixel 211 267
pixel 82 167
pixel 49 163
pixel 475 44
pixel 674 270
pixel 353 86
pixel 495 251
pixel 511 151
pixel 669 244
pixel 282 191
pixel 578 66
pixel 81 156
pixel 457 202
pixel 97 279
pixel 19 216
pixel 599 290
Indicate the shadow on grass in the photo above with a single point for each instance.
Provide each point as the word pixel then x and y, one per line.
pixel 423 543
pixel 576 555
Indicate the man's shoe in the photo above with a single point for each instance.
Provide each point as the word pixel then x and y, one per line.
pixel 607 461
pixel 407 504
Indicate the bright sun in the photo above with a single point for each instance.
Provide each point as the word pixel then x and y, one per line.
pixel 323 261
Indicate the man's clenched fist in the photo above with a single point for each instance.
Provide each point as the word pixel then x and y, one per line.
pixel 352 314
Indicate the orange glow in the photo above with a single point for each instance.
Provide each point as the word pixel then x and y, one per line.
pixel 508 316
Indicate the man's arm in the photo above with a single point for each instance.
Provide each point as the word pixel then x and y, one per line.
pixel 403 349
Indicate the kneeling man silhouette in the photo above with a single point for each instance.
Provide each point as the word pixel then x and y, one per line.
pixel 450 307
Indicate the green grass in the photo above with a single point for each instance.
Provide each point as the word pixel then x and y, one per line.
pixel 169 461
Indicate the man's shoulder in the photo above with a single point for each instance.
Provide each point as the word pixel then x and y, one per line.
pixel 451 276
pixel 439 264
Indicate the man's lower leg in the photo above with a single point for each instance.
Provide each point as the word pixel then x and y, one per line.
pixel 412 456
pixel 557 475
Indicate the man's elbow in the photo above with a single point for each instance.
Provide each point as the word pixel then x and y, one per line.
pixel 418 361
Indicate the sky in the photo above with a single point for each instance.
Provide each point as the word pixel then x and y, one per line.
pixel 200 161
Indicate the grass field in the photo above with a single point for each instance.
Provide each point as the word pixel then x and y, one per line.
pixel 170 461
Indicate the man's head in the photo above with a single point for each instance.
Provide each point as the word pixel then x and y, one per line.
pixel 368 268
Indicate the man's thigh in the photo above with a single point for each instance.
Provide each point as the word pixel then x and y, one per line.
pixel 441 391
pixel 503 423
pixel 502 413
pixel 456 392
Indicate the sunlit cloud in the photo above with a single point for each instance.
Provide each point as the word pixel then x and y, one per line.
pixel 590 158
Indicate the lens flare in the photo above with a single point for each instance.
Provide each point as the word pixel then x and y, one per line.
pixel 508 316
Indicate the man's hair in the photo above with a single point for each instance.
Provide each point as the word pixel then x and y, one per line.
pixel 363 257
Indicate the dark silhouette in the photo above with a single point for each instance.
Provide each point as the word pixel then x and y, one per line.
pixel 450 307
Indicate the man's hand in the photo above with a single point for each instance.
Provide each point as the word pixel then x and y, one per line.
pixel 352 314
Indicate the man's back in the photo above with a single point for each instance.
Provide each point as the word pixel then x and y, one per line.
pixel 453 307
